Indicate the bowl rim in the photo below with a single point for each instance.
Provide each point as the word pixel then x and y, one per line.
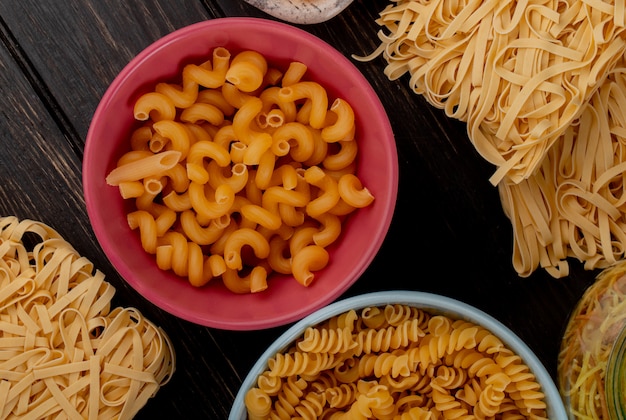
pixel 425 300
pixel 98 223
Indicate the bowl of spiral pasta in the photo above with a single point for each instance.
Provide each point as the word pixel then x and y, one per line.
pixel 398 354
pixel 240 173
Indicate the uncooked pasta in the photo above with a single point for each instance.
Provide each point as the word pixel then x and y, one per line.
pixel 574 204
pixel 65 352
pixel 517 72
pixel 590 337
pixel 255 157
pixel 542 89
pixel 392 362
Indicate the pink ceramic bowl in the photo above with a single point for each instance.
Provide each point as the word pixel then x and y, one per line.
pixel 213 305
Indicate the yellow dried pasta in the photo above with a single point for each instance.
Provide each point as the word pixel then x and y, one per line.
pixel 253 152
pixel 541 87
pixel 588 358
pixel 64 351
pixel 518 73
pixel 573 205
pixel 395 361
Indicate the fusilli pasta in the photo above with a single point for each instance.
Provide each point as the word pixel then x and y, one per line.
pixel 395 362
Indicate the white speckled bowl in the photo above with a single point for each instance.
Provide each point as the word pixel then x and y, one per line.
pixel 301 11
pixel 434 304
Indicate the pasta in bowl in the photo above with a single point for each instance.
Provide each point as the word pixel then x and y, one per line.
pixel 227 182
pixel 398 354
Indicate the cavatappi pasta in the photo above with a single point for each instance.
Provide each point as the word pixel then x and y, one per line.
pixel 241 170
pixel 518 73
pixel 64 351
pixel 394 362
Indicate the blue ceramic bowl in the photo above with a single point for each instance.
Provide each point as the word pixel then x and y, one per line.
pixel 431 303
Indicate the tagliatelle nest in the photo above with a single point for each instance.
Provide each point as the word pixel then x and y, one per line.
pixel 542 88
pixel 63 350
pixel 574 204
pixel 517 72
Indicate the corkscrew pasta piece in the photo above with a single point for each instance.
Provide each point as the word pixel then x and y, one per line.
pixel 70 354
pixel 342 395
pixel 307 261
pixel 352 191
pixel 259 403
pixel 237 148
pixel 236 176
pixel 240 238
pixel 247 71
pixel 329 192
pixel 145 222
pixel 294 73
pixel 417 364
pixel 317 100
pixel 301 363
pixel 212 73
pixel 253 282
pixel 131 189
pixel 200 112
pixel 198 152
pixel 216 98
pixel 330 229
pixel 311 406
pixel 272 103
pixel 155 106
pixel 182 96
pixel 176 134
pixel 295 139
pixel 388 338
pixel 343 127
pixel 325 340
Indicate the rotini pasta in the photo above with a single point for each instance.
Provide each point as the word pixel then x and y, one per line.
pixel 241 148
pixel 396 361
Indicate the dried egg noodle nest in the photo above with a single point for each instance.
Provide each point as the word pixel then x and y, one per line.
pixel 574 204
pixel 64 353
pixel 517 72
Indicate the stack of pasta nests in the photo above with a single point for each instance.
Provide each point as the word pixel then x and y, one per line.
pixel 542 88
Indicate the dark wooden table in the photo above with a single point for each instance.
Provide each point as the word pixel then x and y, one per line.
pixel 57 58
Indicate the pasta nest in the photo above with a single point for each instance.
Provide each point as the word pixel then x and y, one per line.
pixel 64 350
pixel 574 204
pixel 517 72
pixel 542 87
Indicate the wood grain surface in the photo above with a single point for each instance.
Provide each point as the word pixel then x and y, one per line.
pixel 449 234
